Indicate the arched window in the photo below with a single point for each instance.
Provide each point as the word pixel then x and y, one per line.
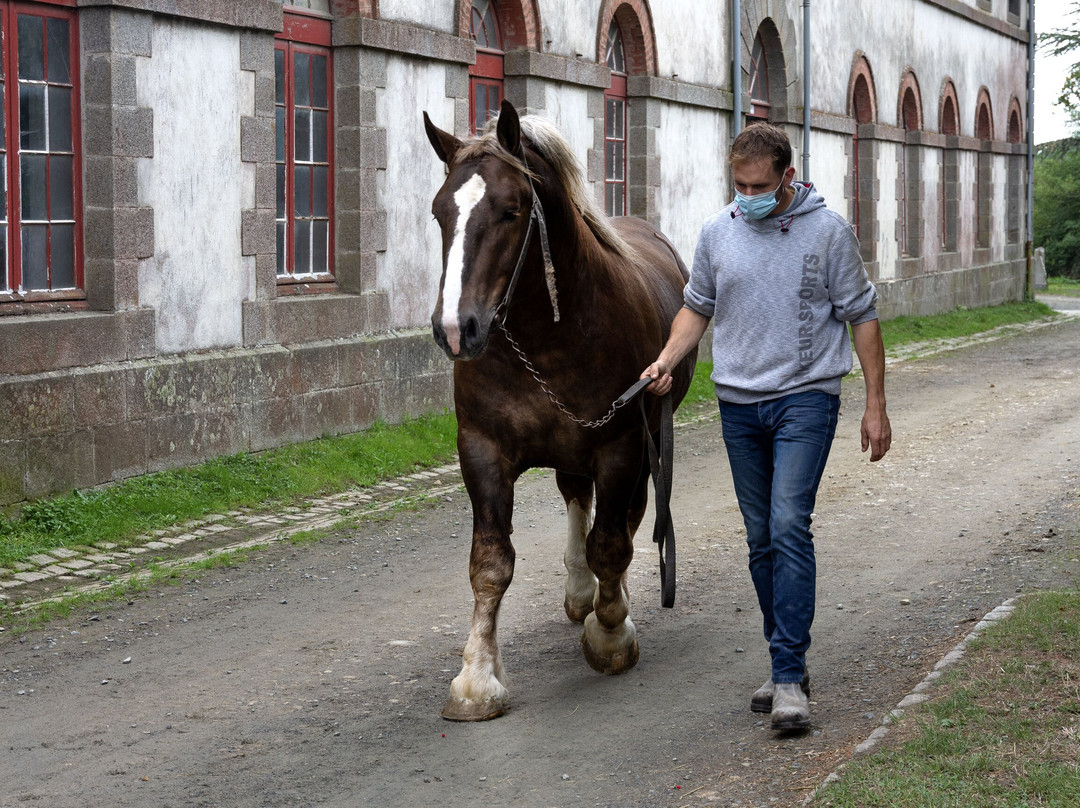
pixel 862 106
pixel 615 125
pixel 910 115
pixel 950 170
pixel 486 76
pixel 984 131
pixel 1013 184
pixel 759 82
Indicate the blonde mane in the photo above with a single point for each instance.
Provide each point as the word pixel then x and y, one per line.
pixel 547 141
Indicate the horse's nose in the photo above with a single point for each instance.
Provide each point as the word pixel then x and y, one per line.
pixel 472 338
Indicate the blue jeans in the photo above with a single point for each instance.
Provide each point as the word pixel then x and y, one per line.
pixel 777 450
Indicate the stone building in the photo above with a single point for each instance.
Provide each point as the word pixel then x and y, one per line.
pixel 216 227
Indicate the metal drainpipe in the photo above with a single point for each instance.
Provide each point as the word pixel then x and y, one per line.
pixel 1029 286
pixel 736 55
pixel 806 91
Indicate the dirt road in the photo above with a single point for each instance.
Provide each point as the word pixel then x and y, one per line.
pixel 313 675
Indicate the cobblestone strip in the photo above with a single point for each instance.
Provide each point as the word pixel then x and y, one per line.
pixel 918 694
pixel 72 566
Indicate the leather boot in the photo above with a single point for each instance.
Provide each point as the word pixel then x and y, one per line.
pixel 761 701
pixel 790 707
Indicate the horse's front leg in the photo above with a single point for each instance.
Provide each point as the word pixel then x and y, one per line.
pixel 609 641
pixel 479 691
pixel 577 492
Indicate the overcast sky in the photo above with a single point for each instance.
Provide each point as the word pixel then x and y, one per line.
pixel 1050 122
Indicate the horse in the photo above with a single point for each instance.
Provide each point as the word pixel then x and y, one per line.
pixel 543 333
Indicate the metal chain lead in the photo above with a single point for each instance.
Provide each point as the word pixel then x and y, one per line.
pixel 599 422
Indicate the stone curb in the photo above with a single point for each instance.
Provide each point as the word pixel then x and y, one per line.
pixel 917 695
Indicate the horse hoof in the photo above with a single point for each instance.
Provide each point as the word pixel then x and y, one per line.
pixel 610 665
pixel 577 614
pixel 471 710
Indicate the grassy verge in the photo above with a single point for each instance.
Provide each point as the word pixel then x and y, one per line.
pixel 1059 285
pixel 294 474
pixel 960 322
pixel 271 479
pixel 1003 729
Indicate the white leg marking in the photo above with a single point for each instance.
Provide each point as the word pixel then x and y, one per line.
pixel 466 197
pixel 580 582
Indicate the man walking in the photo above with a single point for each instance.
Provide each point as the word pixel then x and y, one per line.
pixel 781 277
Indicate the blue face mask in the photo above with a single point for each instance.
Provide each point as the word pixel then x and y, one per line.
pixel 758 206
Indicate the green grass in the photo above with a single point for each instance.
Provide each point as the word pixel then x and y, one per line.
pixel 268 480
pixel 960 322
pixel 1002 730
pixel 295 474
pixel 1060 285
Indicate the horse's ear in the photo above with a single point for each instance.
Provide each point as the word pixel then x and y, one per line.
pixel 445 144
pixel 509 128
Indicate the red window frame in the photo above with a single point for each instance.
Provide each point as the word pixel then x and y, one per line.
pixel 304 34
pixel 615 146
pixel 486 76
pixel 13 275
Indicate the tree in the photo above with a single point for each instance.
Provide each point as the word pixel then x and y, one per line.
pixel 1061 41
pixel 1056 225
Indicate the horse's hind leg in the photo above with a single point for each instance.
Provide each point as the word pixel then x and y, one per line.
pixel 577 491
pixel 609 641
pixel 479 691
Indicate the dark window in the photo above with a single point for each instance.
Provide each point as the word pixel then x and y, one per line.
pixel 615 126
pixel 759 82
pixel 486 76
pixel 304 155
pixel 40 237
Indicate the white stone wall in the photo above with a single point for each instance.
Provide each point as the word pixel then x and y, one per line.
pixel 437 15
pixel 197 185
pixel 411 266
pixel 693 41
pixel 570 27
pixel 568 109
pixel 695 179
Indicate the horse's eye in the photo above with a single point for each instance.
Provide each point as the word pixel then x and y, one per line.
pixel 510 215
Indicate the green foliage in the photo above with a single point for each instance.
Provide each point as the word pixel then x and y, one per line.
pixel 1061 41
pixel 1056 225
pixel 1060 285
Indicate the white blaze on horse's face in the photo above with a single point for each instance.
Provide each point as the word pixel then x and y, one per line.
pixel 466 197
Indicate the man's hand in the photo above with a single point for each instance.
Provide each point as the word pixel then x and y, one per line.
pixel 876 432
pixel 661 377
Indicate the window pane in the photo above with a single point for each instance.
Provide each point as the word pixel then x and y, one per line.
pixel 302 79
pixel 62 253
pixel 59 50
pixel 319 247
pixel 609 199
pixel 493 101
pixel 620 160
pixel 279 134
pixel 279 77
pixel 5 284
pixel 302 251
pixel 3 115
pixel 281 248
pixel 34 269
pixel 609 160
pixel 59 119
pixel 318 81
pixel 320 194
pixel 61 188
pixel 479 106
pixel 319 145
pixel 31 48
pixel 619 210
pixel 32 116
pixel 302 191
pixel 609 128
pixel 281 191
pixel 302 135
pixel 32 186
pixel 3 188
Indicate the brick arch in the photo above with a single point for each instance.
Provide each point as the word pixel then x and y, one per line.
pixel 639 37
pixel 862 94
pixel 519 21
pixel 909 103
pixel 1015 132
pixel 984 116
pixel 948 110
pixel 777 31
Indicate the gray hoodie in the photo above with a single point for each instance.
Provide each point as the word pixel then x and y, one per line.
pixel 780 290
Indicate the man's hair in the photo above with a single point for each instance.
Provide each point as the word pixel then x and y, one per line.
pixel 762 141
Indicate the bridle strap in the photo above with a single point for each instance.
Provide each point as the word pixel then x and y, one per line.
pixel 536 216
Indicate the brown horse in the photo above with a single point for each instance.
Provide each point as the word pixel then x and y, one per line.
pixel 552 338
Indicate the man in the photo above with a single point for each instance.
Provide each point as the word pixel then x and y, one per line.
pixel 780 275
